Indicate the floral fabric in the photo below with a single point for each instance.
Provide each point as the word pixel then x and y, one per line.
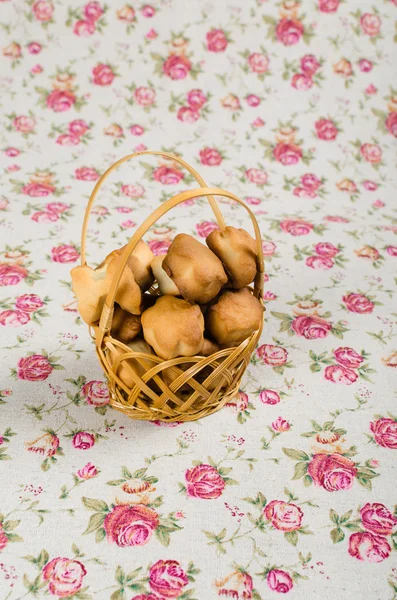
pixel 290 489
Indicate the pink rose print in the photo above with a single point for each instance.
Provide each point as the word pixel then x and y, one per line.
pixel 311 327
pixel 370 24
pixel 60 100
pixel 279 581
pixel 253 100
pixel 3 538
pixel 45 445
pixel 29 303
pixel 348 357
pixel 287 154
pixel 326 130
pixel 159 247
pixel 38 190
pixel 216 40
pixel 13 318
pixel 391 123
pixel 210 157
pixel 272 355
pixel 258 63
pixel 206 227
pixel 319 262
pixel 372 153
pixel 11 274
pixel 302 81
pixel 34 368
pixel 57 207
pixel 235 585
pixel 133 191
pixel 24 124
pixel 88 471
pixel 289 31
pixel 284 516
pixel 369 547
pixel 93 11
pixel 145 597
pixel 340 374
pixel 377 519
pixel 332 472
pixel 167 175
pixel 167 578
pixel 296 227
pixel 83 440
pixel 11 152
pixel 358 303
pixel 196 99
pixel 64 254
pixel 137 130
pixel 96 393
pixel 43 10
pixel 385 432
pixel 310 182
pixel 269 397
pixel 68 140
pixel 328 6
pixel 187 114
pixel 86 174
pixel 64 576
pixel 177 66
pixel 84 28
pixel 102 75
pixel 256 176
pixel 148 11
pixel 34 48
pixel 280 425
pixel 326 249
pixel 365 65
pixel 392 250
pixel 268 247
pixel 204 481
pixel 145 96
pixel 239 402
pixel 130 525
pixel 45 217
pixel 309 64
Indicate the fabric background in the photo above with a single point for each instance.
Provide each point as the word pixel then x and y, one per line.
pixel 291 488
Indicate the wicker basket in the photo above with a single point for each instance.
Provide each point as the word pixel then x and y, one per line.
pixel 200 385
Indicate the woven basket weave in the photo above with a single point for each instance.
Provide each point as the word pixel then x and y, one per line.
pixel 200 385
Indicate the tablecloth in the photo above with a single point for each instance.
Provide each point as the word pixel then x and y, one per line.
pixel 290 489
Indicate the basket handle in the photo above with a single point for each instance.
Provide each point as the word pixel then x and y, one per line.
pixel 107 311
pixel 119 162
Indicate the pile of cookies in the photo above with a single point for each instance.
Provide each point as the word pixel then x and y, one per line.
pixel 192 301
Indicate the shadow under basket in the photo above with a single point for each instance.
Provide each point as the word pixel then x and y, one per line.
pixel 144 386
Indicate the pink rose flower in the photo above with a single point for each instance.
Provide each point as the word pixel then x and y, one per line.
pixel 167 175
pixel 3 203
pixel 269 397
pixel 289 31
pixel 258 63
pixel 369 547
pixel 38 190
pixel 268 296
pixel 102 75
pixel 130 525
pixel 385 432
pixel 43 10
pixel 148 11
pixel 84 28
pixel 358 303
pixel 365 65
pixel 311 327
pixel 253 100
pixel 274 356
pixel 301 192
pixel 325 129
pixel 216 40
pixel 3 538
pixel 206 227
pixel 145 597
pixel 87 472
pixel 128 224
pixel 210 157
pixel 83 440
pixel 86 174
pixel 151 34
pixel 326 249
pixel 29 303
pixel 24 124
pixel 332 472
pixel 133 191
pixel 137 130
pixel 159 247
pixel 13 318
pixel 302 81
pixel 60 100
pixel 68 140
pixel 372 153
pixel 12 152
pixel 34 48
pixel 340 374
pixel 11 274
pixel 371 89
pixel 36 69
pixel 391 123
pixel 378 204
pixel 253 200
pixel 377 519
pixel 392 250
pixel 258 123
pixel 319 262
pixel 371 186
pixel 256 176
pixel 64 576
pixel 42 216
pixel 296 227
pixel 279 581
pixel 187 114
pixel 196 99
pixel 287 154
pixel 123 209
pixel 280 425
pixel 204 481
pixel 57 207
pixel 370 24
pixel 239 402
pixel 284 516
pixel 309 64
pixel 45 445
pixel 64 254
pixel 96 393
pixel 34 368
pixel 348 357
pixel 93 11
pixel 177 67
